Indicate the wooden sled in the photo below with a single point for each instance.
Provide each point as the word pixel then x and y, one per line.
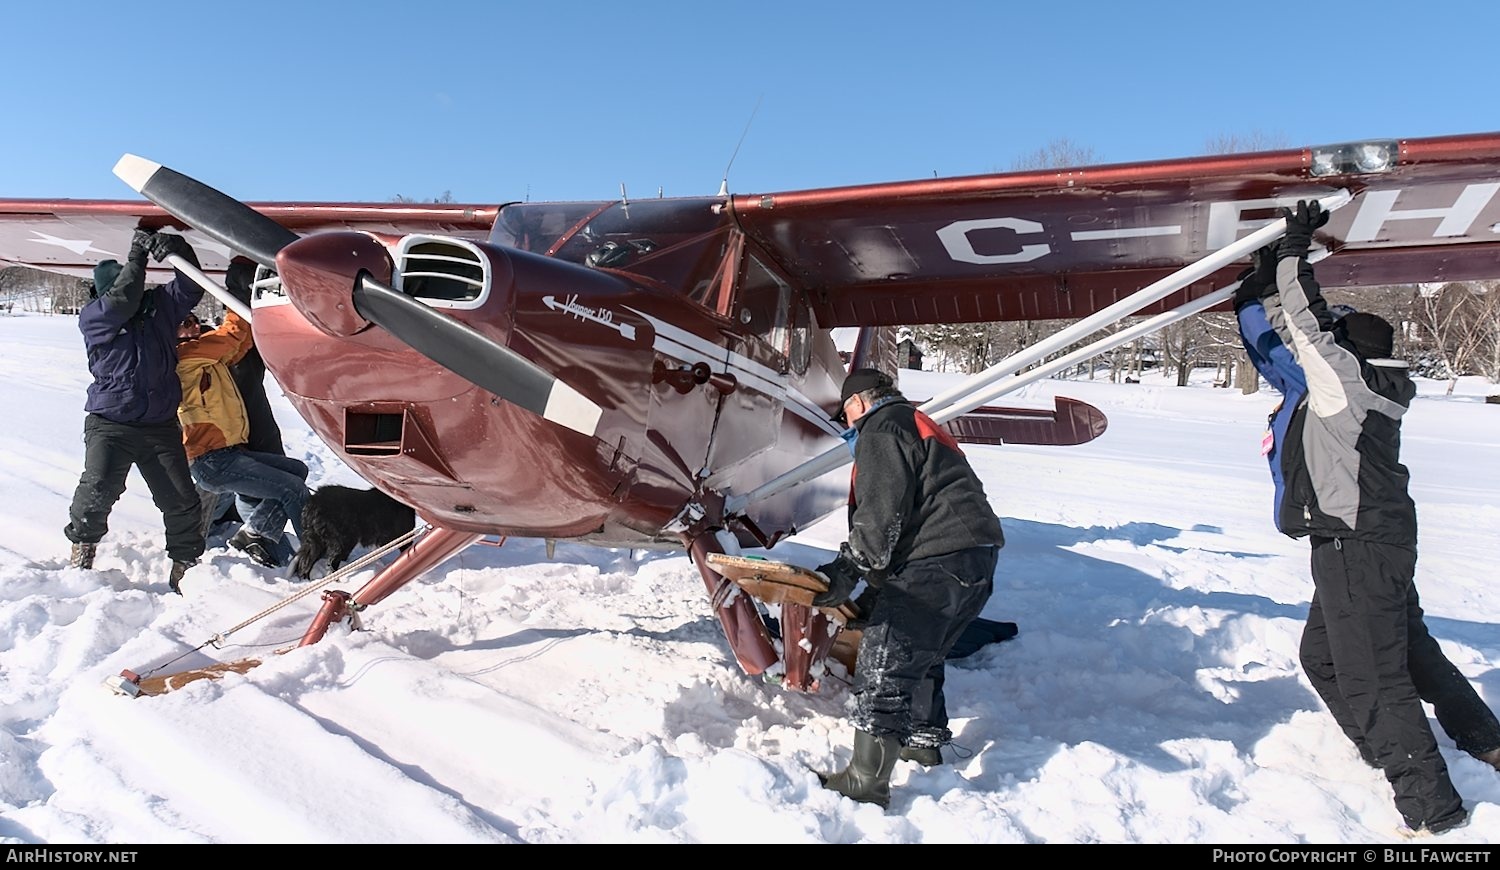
pixel 171 682
pixel 131 684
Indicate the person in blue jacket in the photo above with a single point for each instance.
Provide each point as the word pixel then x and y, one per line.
pixel 130 334
pixel 1333 446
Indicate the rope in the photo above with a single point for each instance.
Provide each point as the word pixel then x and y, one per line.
pixel 217 640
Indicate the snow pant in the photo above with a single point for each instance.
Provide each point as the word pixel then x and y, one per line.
pixel 279 482
pixel 109 451
pixel 1356 649
pixel 921 612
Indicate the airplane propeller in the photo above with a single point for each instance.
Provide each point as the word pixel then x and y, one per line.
pixel 447 341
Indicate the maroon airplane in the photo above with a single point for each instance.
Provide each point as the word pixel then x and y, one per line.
pixel 661 372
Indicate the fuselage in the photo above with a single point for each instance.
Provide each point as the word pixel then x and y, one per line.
pixel 711 375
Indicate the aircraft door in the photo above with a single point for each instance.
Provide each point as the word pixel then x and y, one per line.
pixel 687 372
pixel 772 346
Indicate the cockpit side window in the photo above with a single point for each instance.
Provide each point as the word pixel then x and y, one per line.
pixel 764 303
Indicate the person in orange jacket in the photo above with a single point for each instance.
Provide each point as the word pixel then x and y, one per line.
pixel 215 432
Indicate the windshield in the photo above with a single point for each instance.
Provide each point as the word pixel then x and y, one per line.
pixel 601 233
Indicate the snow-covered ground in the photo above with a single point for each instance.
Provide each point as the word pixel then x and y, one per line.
pixel 1153 695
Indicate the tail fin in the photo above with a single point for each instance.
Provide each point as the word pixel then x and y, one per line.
pixel 1071 422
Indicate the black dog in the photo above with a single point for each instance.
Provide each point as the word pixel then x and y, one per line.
pixel 336 519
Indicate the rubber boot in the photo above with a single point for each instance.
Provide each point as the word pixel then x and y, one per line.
pixel 867 779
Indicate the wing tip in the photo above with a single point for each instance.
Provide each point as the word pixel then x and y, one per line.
pixel 136 171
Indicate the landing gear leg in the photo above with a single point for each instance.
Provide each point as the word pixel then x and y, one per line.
pixel 746 631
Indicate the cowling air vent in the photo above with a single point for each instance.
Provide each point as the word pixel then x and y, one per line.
pixel 441 271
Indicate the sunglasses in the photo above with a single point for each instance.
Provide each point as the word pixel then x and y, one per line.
pixel 843 415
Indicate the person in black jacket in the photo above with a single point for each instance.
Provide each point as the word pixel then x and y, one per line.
pixel 922 533
pixel 265 434
pixel 130 333
pixel 1346 490
pixel 250 372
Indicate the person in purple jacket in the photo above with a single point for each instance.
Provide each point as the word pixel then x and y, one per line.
pixel 130 334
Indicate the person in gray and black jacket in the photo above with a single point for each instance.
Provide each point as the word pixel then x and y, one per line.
pixel 1346 491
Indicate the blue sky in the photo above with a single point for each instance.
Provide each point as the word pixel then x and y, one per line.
pixel 498 101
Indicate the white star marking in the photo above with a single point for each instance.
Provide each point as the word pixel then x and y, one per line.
pixel 201 242
pixel 78 246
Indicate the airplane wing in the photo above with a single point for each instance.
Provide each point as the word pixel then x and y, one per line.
pixel 71 235
pixel 1065 243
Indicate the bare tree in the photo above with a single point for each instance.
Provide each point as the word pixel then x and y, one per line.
pixel 1059 153
pixel 43 292
pixel 1459 323
pixel 446 196
pixel 1239 143
pixel 1221 341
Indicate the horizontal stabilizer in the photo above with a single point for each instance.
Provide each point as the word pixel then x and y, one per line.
pixel 1071 422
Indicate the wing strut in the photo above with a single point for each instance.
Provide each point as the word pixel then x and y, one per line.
pixel 967 396
pixel 210 285
pixel 1154 292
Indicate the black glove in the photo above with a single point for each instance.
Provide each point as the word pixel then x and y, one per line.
pixel 164 245
pixel 1299 228
pixel 864 607
pixel 140 245
pixel 1258 280
pixel 843 575
pixel 237 279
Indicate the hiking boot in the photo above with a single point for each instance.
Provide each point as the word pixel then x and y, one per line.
pixel 179 568
pixel 82 555
pixel 927 756
pixel 260 548
pixel 1492 758
pixel 867 779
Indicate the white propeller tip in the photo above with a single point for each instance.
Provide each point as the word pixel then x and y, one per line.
pixel 570 408
pixel 136 171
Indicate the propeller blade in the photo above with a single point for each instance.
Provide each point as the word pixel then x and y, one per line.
pixel 475 357
pixel 446 341
pixel 212 213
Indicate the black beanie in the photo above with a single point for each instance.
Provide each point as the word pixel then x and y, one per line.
pixel 858 381
pixel 1370 334
pixel 104 276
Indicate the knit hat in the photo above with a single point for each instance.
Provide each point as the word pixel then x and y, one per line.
pixel 104 276
pixel 1370 334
